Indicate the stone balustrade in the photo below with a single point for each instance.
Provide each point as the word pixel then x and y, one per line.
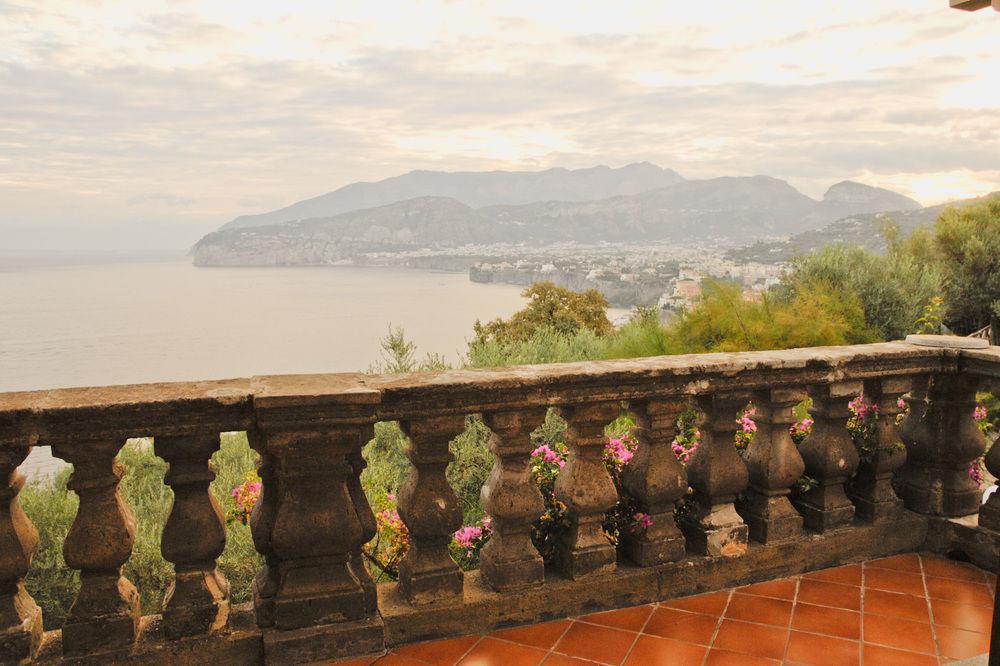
pixel 743 517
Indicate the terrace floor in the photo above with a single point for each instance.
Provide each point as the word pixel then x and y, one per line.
pixel 909 610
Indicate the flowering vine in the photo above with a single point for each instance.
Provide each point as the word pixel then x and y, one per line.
pixel 244 497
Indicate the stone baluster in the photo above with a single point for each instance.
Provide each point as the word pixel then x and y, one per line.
pixel 656 480
pixel 717 475
pixel 315 528
pixel 989 513
pixel 830 458
pixel 871 489
pixel 942 440
pixel 512 500
pixel 265 583
pixel 104 616
pixel 586 488
pixel 197 601
pixel 774 465
pixel 365 517
pixel 431 512
pixel 20 616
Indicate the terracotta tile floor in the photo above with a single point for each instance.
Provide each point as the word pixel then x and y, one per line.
pixel 909 610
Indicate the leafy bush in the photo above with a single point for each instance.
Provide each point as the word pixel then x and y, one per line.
pixel 891 290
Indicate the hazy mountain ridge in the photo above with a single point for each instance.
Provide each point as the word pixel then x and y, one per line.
pixel 725 208
pixel 864 230
pixel 474 188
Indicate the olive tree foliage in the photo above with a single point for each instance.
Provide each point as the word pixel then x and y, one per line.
pixel 724 321
pixel 966 243
pixel 550 307
pixel 893 290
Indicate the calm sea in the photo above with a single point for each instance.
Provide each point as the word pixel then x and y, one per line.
pixel 80 324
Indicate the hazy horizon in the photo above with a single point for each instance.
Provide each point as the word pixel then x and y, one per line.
pixel 130 126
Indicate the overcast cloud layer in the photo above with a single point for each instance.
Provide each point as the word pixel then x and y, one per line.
pixel 154 122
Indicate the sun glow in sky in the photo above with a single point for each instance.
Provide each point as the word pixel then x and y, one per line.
pixel 184 114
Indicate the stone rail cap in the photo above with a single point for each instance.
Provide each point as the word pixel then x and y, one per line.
pixel 947 341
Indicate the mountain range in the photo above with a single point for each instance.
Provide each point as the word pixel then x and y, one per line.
pixel 635 203
pixel 864 230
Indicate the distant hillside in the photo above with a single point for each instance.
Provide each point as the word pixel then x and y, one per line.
pixel 475 189
pixel 719 208
pixel 864 230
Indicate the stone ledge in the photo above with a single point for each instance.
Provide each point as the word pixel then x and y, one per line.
pixel 485 610
pixel 964 535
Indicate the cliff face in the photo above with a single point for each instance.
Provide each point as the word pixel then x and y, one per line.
pixel 475 189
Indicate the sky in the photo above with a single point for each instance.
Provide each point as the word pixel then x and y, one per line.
pixel 147 124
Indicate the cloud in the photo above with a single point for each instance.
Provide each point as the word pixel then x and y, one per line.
pixel 111 113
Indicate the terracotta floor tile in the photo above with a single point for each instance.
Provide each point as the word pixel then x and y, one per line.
pixel 393 659
pixel 830 621
pixel 728 658
pixel 655 651
pixel 493 652
pixel 602 644
pixel 876 655
pixel 944 568
pixel 682 626
pixel 782 588
pixel 898 633
pixel 846 575
pixel 962 616
pixel 894 581
pixel 441 653
pixel 542 635
pixel 909 562
pixel 821 593
pixel 764 610
pixel 822 650
pixel 960 644
pixel 710 604
pixel 753 639
pixel 563 660
pixel 894 604
pixel 631 619
pixel 959 591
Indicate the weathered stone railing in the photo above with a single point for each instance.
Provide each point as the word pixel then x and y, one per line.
pixel 313 599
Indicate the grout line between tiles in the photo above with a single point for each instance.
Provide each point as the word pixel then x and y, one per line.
pixel 718 625
pixel 639 634
pixel 930 609
pixel 791 617
pixel 861 619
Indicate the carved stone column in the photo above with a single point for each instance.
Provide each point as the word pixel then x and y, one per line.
pixel 265 583
pixel 657 480
pixel 512 500
pixel 830 458
pixel 316 526
pixel 20 616
pixel 365 517
pixel 104 616
pixel 942 439
pixel 717 475
pixel 989 513
pixel 194 536
pixel 774 465
pixel 313 596
pixel 430 511
pixel 871 489
pixel 586 488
